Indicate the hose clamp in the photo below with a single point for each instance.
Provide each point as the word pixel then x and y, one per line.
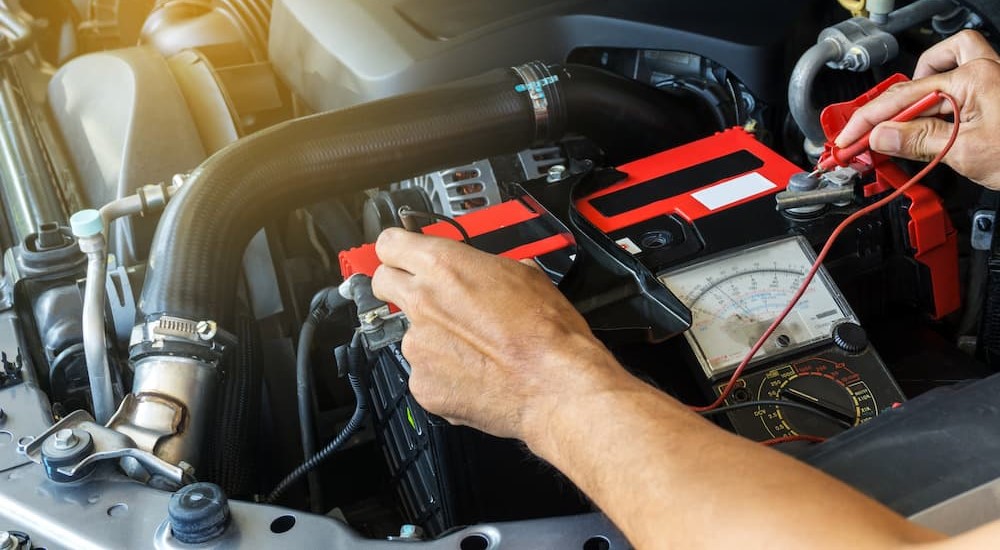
pixel 178 335
pixel 538 82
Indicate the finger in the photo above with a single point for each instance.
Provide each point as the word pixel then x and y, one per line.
pixel 393 285
pixel 409 251
pixel 921 139
pixel 889 104
pixel 954 52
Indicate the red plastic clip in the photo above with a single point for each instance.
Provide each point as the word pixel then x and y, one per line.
pixel 931 236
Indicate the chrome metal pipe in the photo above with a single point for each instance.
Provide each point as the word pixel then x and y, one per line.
pixel 95 344
pixel 29 191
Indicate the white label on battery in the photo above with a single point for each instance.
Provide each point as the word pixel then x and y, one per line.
pixel 733 191
pixel 628 245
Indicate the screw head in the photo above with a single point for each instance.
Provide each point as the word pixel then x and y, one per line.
pixel 984 224
pixel 556 173
pixel 206 329
pixel 65 439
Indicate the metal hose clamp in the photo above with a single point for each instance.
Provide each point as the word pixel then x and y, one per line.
pixel 538 82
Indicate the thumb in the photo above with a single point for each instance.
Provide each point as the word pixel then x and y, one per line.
pixel 921 139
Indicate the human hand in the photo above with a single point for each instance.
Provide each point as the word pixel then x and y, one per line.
pixel 964 66
pixel 492 342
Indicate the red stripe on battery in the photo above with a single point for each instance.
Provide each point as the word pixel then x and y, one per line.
pixel 776 169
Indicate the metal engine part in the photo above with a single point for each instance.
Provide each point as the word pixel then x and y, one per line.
pixel 464 189
pixel 459 190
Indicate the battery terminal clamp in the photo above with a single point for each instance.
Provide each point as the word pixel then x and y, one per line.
pixel 809 194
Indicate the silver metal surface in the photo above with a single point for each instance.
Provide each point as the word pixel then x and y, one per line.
pixel 95 343
pixel 171 405
pixel 809 201
pixel 457 191
pixel 964 512
pixel 64 439
pixel 27 188
pixel 556 173
pixel 108 511
pixel 26 406
pixel 983 222
pixel 536 162
pixel 109 444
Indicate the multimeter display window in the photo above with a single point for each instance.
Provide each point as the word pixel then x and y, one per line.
pixel 735 296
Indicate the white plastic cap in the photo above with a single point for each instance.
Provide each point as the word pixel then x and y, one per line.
pixel 86 223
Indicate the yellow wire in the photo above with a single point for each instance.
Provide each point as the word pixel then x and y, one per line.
pixel 856 7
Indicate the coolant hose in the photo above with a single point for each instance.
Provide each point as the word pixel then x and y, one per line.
pixel 195 255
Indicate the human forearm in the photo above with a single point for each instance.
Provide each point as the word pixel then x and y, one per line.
pixel 668 478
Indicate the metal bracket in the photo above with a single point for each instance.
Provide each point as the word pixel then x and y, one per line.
pixel 982 229
pixel 109 444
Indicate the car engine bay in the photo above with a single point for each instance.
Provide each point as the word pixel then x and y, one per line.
pixel 191 353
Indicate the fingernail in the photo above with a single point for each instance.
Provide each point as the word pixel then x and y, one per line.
pixel 887 140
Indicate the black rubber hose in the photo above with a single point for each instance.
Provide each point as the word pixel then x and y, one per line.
pixel 195 255
pixel 630 120
pixel 325 303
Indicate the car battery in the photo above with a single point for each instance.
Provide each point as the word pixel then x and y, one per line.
pixel 664 211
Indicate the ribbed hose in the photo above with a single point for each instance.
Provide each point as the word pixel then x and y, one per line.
pixel 353 425
pixel 234 466
pixel 195 255
pixel 631 120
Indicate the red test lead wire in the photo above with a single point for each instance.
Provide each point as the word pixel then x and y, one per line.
pixel 833 238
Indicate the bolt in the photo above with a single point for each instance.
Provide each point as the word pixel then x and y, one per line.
pixel 856 60
pixel 556 173
pixel 65 439
pixel 369 317
pixel 206 329
pixel 783 341
pixel 7 541
pixel 984 224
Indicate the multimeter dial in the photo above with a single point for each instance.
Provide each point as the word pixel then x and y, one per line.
pixel 734 297
pixel 827 386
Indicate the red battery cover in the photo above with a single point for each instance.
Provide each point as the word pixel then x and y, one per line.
pixel 489 220
pixel 693 170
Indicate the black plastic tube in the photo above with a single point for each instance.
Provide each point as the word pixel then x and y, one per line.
pixel 195 255
pixel 910 16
